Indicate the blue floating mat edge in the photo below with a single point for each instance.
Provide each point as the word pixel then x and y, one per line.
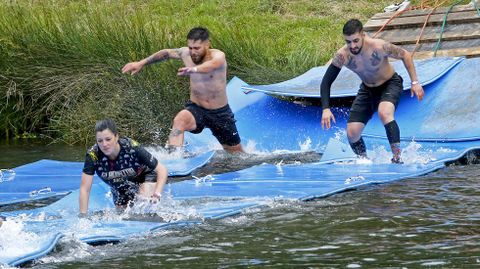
pixel 44 250
pixel 342 91
pixel 61 182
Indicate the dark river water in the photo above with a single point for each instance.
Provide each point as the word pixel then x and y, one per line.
pixel 432 221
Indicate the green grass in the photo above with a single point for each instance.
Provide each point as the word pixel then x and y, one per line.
pixel 61 60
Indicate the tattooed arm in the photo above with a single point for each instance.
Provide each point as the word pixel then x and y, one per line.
pixel 407 59
pixel 160 56
pixel 217 61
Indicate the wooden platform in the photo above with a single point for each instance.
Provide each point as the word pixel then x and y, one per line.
pixel 461 36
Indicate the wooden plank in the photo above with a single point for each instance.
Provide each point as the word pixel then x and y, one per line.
pixel 423 12
pixel 468 52
pixel 460 17
pixel 431 34
pixel 444 45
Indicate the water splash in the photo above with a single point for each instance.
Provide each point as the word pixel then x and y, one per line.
pixel 306 145
pixel 14 240
pixel 251 147
pixel 206 180
pixel 72 250
pixel 413 153
pixel 6 175
pixel 164 210
pixel 341 135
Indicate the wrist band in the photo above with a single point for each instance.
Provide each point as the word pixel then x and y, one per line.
pixel 415 82
pixel 157 194
pixel 194 70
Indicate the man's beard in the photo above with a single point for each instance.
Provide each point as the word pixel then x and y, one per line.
pixel 357 52
pixel 198 59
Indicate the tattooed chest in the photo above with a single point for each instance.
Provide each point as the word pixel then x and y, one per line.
pixel 365 65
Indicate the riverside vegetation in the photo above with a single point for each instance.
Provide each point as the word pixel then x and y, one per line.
pixel 60 61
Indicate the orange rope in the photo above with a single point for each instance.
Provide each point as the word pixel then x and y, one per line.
pixel 397 13
pixel 423 5
pixel 425 24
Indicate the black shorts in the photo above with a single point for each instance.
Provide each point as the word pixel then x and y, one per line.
pixel 124 194
pixel 220 121
pixel 368 98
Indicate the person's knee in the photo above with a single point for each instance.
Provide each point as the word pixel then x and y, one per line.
pixel 233 149
pixel 353 134
pixel 182 121
pixel 385 112
pixel 385 115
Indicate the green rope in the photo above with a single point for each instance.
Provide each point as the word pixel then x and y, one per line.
pixel 476 7
pixel 437 46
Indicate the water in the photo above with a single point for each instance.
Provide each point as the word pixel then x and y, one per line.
pixel 426 222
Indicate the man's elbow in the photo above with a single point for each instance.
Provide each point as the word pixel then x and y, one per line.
pixel 407 56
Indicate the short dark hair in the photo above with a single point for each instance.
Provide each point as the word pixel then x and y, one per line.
pixel 198 33
pixel 105 124
pixel 352 26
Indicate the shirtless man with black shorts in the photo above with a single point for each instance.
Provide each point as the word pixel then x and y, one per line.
pixel 208 105
pixel 381 86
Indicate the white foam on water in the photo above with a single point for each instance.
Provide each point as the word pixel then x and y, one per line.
pixel 295 250
pixel 359 219
pixel 412 153
pixel 240 220
pixel 303 146
pixel 15 241
pixel 433 263
pixel 160 153
pixel 166 208
pixel 72 250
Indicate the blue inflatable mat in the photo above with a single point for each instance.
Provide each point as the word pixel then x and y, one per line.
pixel 39 180
pixel 273 124
pixel 48 178
pixel 50 223
pixel 308 181
pixel 347 82
pixel 449 111
pixel 36 249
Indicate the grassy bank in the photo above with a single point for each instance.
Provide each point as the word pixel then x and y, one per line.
pixel 61 60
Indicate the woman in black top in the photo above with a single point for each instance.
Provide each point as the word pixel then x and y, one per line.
pixel 124 165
